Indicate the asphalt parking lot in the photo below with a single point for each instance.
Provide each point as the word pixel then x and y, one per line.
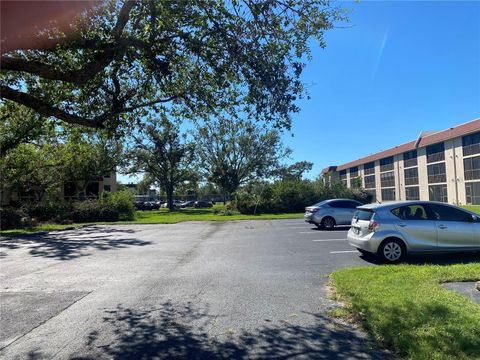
pixel 245 289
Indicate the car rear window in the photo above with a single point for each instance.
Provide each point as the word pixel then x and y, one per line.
pixel 363 214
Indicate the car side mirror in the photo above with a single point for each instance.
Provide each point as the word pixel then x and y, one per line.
pixel 474 218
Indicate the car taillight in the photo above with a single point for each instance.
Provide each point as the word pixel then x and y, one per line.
pixel 373 225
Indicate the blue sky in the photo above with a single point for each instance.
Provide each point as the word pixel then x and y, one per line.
pixel 399 67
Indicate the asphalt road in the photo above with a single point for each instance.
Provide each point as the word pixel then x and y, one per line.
pixel 198 290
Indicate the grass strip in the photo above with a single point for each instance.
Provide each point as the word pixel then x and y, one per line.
pixel 406 308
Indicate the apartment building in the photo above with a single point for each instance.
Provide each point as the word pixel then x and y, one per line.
pixel 67 191
pixel 438 166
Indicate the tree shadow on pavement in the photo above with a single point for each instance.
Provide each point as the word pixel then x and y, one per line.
pixel 181 331
pixel 69 245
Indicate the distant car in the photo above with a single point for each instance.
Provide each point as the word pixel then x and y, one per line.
pixel 187 204
pixel 330 213
pixel 203 204
pixel 396 229
pixel 176 204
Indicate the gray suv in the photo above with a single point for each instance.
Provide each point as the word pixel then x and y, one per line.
pixel 393 230
pixel 329 213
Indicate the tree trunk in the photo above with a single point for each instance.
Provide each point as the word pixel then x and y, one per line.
pixel 169 191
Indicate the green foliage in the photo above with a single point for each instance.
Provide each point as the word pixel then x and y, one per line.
pixel 163 155
pixel 121 202
pixel 407 309
pixel 11 218
pixel 19 124
pixel 292 195
pixel 210 57
pixel 231 153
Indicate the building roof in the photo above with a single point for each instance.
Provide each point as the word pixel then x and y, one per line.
pixel 422 141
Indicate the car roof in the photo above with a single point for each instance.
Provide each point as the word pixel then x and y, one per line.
pixel 340 199
pixel 394 204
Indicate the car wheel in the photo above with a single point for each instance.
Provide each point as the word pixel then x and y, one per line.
pixel 328 223
pixel 392 251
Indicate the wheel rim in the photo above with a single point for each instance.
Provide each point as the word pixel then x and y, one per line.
pixel 392 251
pixel 328 222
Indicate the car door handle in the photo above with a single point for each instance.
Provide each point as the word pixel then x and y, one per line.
pixel 402 224
pixel 441 226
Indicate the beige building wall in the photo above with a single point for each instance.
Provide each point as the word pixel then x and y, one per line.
pixel 460 173
pixel 454 173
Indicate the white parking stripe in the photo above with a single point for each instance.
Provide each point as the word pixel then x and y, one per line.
pixel 343 252
pixel 299 227
pixel 322 240
pixel 310 232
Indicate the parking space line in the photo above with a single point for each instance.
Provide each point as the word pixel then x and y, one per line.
pixel 322 240
pixel 299 227
pixel 343 252
pixel 311 232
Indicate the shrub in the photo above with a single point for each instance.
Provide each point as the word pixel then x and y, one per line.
pixel 49 210
pixel 86 211
pixel 293 196
pixel 122 202
pixel 11 218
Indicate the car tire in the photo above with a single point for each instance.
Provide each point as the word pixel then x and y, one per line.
pixel 392 251
pixel 328 223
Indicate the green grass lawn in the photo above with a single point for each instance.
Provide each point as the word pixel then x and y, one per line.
pixel 164 216
pixel 474 208
pixel 407 309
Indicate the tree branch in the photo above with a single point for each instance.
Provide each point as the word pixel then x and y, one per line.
pixel 45 109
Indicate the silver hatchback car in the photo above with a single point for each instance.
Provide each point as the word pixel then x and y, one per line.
pixel 395 229
pixel 329 213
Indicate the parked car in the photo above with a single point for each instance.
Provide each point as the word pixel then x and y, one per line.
pixel 396 229
pixel 330 213
pixel 203 204
pixel 176 204
pixel 187 204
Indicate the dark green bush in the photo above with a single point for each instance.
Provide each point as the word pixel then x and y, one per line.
pixel 11 218
pixel 49 210
pixel 287 196
pixel 122 202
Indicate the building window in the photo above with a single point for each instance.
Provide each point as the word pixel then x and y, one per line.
pixel 387 179
pixel 472 168
pixel 370 182
pixel 369 168
pixel 92 189
pixel 410 158
pixel 471 144
pixel 436 173
pixel 107 188
pixel 354 171
pixel 435 152
pixel 438 193
pixel 107 176
pixel 356 182
pixel 343 177
pixel 386 164
pixel 388 194
pixel 411 176
pixel 412 193
pixel 472 189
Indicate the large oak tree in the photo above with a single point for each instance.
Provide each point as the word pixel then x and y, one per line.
pixel 121 59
